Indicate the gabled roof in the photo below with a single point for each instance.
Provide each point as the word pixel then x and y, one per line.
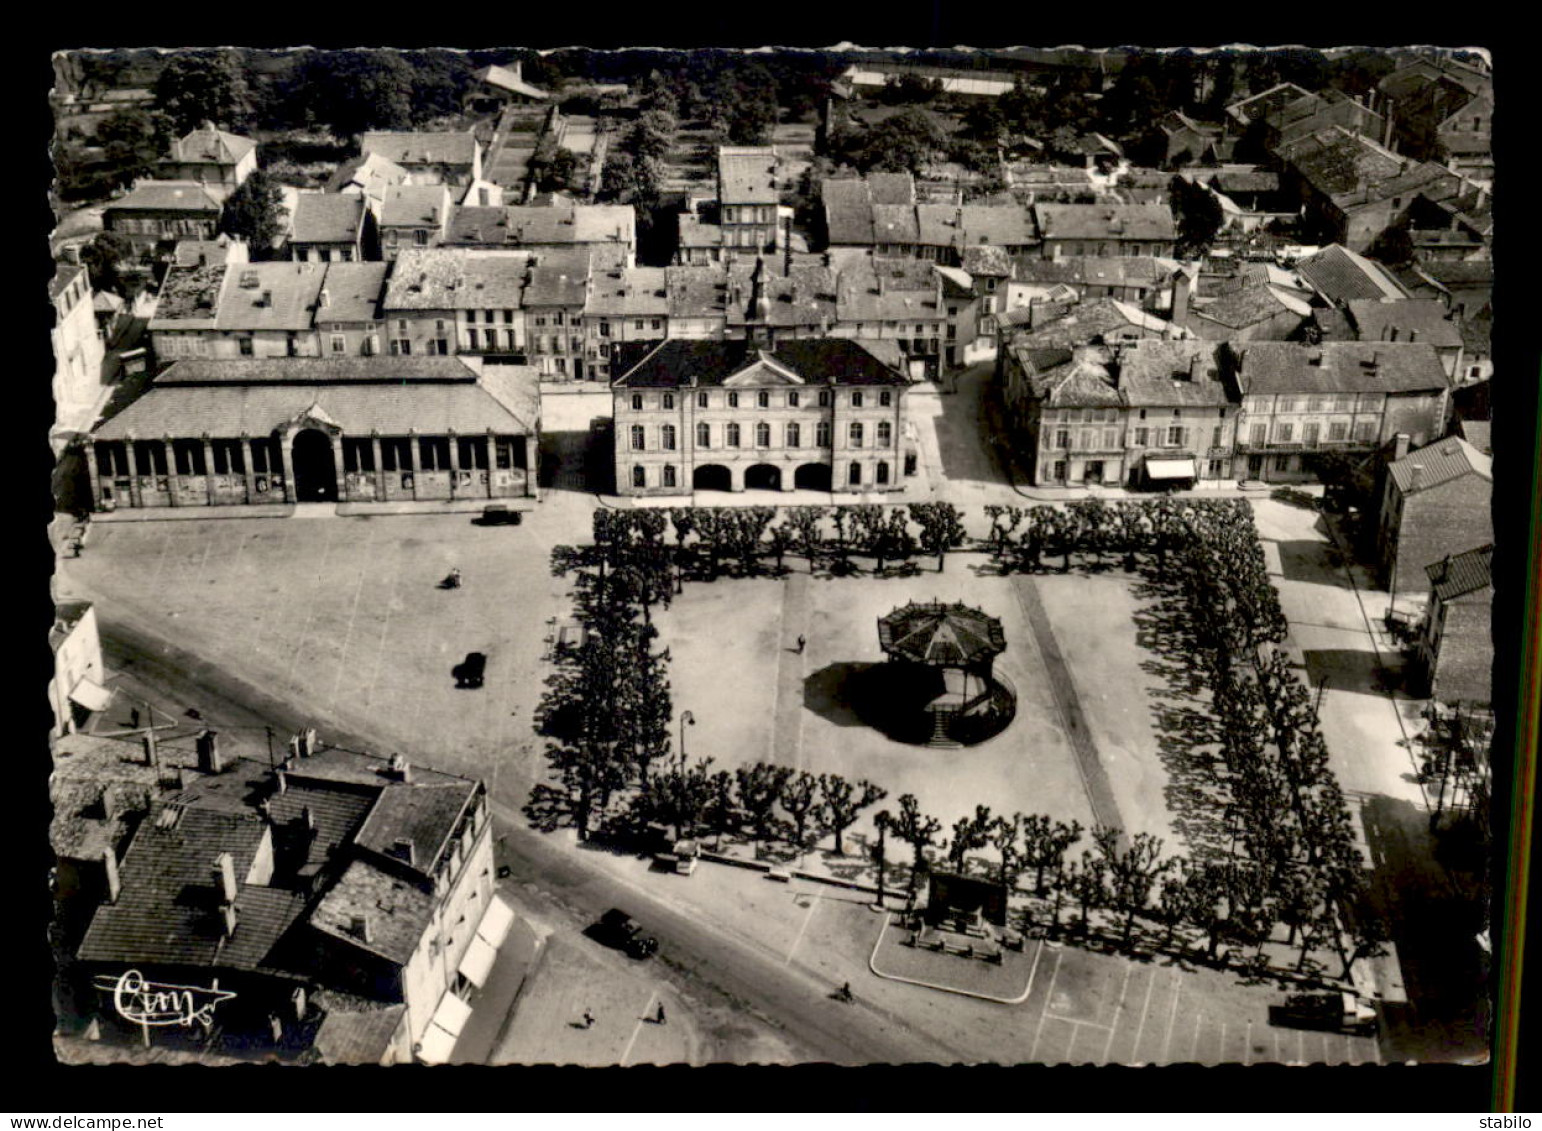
pixel 414 206
pixel 1340 367
pixel 1250 305
pixel 1460 574
pixel 327 217
pixel 392 395
pixel 1100 319
pixel 1005 225
pixel 804 297
pixel 890 291
pixel 167 196
pixel 353 292
pixel 679 363
pixel 407 148
pixel 1105 221
pixel 629 292
pixel 208 145
pixel 371 173
pixel 986 259
pixel 1423 320
pixel 1439 463
pixel 1098 270
pixel 396 910
pixel 1171 374
pixel 696 292
pixel 891 188
pixel 1340 164
pixel 848 211
pixel 1339 275
pixel 431 278
pixel 64 275
pixel 269 296
pixel 422 814
pixel 530 225
pixel 168 907
pixel 561 284
pixel 507 79
pixel 746 175
pixel 894 224
pixel 1246 180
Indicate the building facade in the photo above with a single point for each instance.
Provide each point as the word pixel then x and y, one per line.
pixel 78 346
pixel 1454 649
pixel 1300 400
pixel 77 687
pixel 1435 502
pixel 208 156
pixel 694 416
pixel 217 433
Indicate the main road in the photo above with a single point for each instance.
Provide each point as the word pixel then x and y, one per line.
pixel 718 972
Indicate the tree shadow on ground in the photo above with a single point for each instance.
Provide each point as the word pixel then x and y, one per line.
pixel 1186 732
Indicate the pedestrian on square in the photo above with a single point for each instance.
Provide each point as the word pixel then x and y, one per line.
pixel 660 1018
pixel 588 1020
pixel 802 643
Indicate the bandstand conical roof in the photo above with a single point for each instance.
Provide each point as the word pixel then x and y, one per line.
pixel 941 635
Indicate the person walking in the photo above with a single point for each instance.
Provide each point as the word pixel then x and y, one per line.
pixel 588 1020
pixel 802 644
pixel 660 1018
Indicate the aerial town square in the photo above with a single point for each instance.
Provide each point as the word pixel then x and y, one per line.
pixel 685 557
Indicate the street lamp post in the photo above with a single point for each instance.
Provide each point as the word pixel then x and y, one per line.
pixel 685 718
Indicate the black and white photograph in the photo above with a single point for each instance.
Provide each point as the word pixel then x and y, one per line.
pixel 775 556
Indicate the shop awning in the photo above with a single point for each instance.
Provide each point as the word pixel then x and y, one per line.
pixel 438 1040
pixel 478 960
pixel 495 924
pixel 91 695
pixel 1171 468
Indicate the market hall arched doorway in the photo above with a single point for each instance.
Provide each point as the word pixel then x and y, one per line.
pixel 763 477
pixel 712 477
pixel 315 475
pixel 812 477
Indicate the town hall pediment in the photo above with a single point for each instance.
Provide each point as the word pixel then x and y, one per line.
pixel 763 371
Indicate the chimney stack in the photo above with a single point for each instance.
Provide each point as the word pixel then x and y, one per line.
pixel 282 780
pixel 110 867
pixel 309 818
pixel 228 913
pixel 399 768
pixel 1400 446
pixel 225 877
pixel 210 761
pixel 1413 335
pixel 152 755
pixel 1415 474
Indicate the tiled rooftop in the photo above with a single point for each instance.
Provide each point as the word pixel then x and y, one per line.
pixel 746 175
pixel 1461 574
pixel 269 296
pixel 444 148
pixel 1438 463
pixel 327 217
pixel 678 362
pixel 1340 367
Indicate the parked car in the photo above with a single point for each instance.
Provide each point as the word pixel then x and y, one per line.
pixel 618 929
pixel 469 672
pixel 1342 1012
pixel 499 514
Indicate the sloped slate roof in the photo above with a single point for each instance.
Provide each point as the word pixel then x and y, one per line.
pixel 500 401
pixel 1339 275
pixel 371 172
pixel 1177 374
pixel 292 289
pixel 892 188
pixel 1248 306
pixel 746 175
pixel 168 906
pixel 445 148
pixel 424 815
pixel 167 196
pixel 1461 574
pixel 414 206
pixel 696 292
pixel 674 363
pixel 635 291
pixel 212 146
pixel 848 211
pixel 1342 367
pixel 508 80
pixel 326 217
pixel 1337 162
pixel 353 291
pixel 1105 221
pixel 357 1036
pixel 447 279
pixel 1440 462
pixel 693 231
pixel 941 635
pixel 1376 321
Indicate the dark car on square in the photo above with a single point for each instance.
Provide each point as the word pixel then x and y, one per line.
pixel 618 929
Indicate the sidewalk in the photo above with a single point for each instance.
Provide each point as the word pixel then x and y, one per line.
pixel 493 1010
